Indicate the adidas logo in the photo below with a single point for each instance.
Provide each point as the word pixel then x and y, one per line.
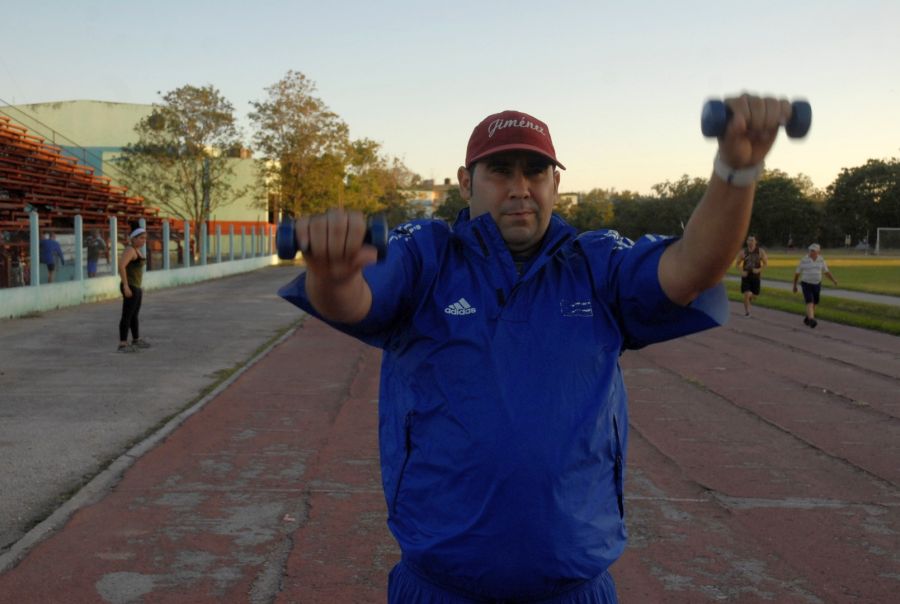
pixel 460 308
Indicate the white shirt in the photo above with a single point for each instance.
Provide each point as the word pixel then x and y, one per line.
pixel 810 270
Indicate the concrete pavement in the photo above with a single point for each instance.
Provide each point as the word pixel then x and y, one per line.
pixel 70 404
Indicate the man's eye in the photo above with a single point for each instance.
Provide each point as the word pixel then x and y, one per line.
pixel 500 169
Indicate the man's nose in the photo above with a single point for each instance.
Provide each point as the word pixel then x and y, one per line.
pixel 519 185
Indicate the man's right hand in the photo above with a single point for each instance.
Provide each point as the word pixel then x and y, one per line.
pixel 332 244
pixel 333 248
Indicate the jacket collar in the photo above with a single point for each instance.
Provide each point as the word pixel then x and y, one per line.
pixel 482 237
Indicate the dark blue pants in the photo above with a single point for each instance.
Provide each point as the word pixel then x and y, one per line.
pixel 405 586
pixel 811 292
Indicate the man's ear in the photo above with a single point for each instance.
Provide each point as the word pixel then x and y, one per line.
pixel 465 183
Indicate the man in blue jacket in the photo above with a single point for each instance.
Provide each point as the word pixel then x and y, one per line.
pixel 50 250
pixel 503 416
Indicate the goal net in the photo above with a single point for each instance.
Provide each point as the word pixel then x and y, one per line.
pixel 887 240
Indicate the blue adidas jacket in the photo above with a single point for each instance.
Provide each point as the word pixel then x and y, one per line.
pixel 503 419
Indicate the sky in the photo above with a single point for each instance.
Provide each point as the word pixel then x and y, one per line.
pixel 620 84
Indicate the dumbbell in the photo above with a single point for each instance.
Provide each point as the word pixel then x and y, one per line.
pixel 716 114
pixel 376 235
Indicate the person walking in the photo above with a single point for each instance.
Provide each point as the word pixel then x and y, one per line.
pixel 752 260
pixel 49 251
pixel 503 423
pixel 131 273
pixel 809 273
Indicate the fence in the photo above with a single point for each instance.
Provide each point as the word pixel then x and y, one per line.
pixel 174 257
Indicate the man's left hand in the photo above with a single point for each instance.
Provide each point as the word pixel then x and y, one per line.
pixel 752 129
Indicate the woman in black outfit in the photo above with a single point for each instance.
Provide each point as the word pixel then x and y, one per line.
pixel 131 272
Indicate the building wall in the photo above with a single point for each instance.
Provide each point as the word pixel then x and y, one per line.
pixel 96 131
pixel 82 123
pixel 249 207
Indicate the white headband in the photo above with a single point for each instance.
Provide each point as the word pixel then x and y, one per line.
pixel 136 232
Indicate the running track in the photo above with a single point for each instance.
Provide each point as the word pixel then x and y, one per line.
pixel 764 465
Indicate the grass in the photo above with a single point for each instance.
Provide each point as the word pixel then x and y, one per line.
pixel 871 274
pixel 879 317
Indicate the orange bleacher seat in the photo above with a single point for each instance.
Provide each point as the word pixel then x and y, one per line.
pixel 46 176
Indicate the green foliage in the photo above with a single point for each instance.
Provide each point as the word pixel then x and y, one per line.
pixel 180 159
pixel 375 184
pixel 593 211
pixel 862 199
pixel 853 272
pixel 309 164
pixel 665 213
pixel 451 206
pixel 783 211
pixel 301 146
pixel 878 317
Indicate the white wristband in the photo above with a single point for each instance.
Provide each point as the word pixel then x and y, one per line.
pixel 737 178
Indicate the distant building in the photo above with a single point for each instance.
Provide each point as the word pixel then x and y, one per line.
pixel 568 198
pixel 429 196
pixel 95 132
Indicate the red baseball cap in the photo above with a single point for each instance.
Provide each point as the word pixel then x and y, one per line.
pixel 508 131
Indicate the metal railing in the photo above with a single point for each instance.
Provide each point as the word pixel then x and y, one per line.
pixel 165 250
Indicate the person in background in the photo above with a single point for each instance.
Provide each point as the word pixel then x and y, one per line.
pixel 752 260
pixel 809 273
pixel 131 273
pixel 50 250
pixel 96 247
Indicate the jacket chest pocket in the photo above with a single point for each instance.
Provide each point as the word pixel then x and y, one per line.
pixel 569 303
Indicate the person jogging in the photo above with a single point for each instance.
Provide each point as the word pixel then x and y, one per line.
pixel 503 424
pixel 809 273
pixel 752 260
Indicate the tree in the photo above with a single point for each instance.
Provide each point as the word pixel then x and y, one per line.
pixel 180 162
pixel 374 183
pixel 635 216
pixel 594 210
pixel 398 207
pixel 783 211
pixel 666 212
pixel 451 206
pixel 302 146
pixel 864 198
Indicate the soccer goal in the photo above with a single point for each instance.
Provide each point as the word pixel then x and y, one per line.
pixel 887 240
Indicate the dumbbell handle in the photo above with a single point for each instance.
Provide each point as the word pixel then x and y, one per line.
pixel 716 114
pixel 286 237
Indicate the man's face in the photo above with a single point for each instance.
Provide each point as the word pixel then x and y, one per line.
pixel 518 189
pixel 751 243
pixel 813 254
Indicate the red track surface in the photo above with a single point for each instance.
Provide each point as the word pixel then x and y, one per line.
pixel 764 465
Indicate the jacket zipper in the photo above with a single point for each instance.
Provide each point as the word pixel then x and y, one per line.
pixel 407 428
pixel 618 470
